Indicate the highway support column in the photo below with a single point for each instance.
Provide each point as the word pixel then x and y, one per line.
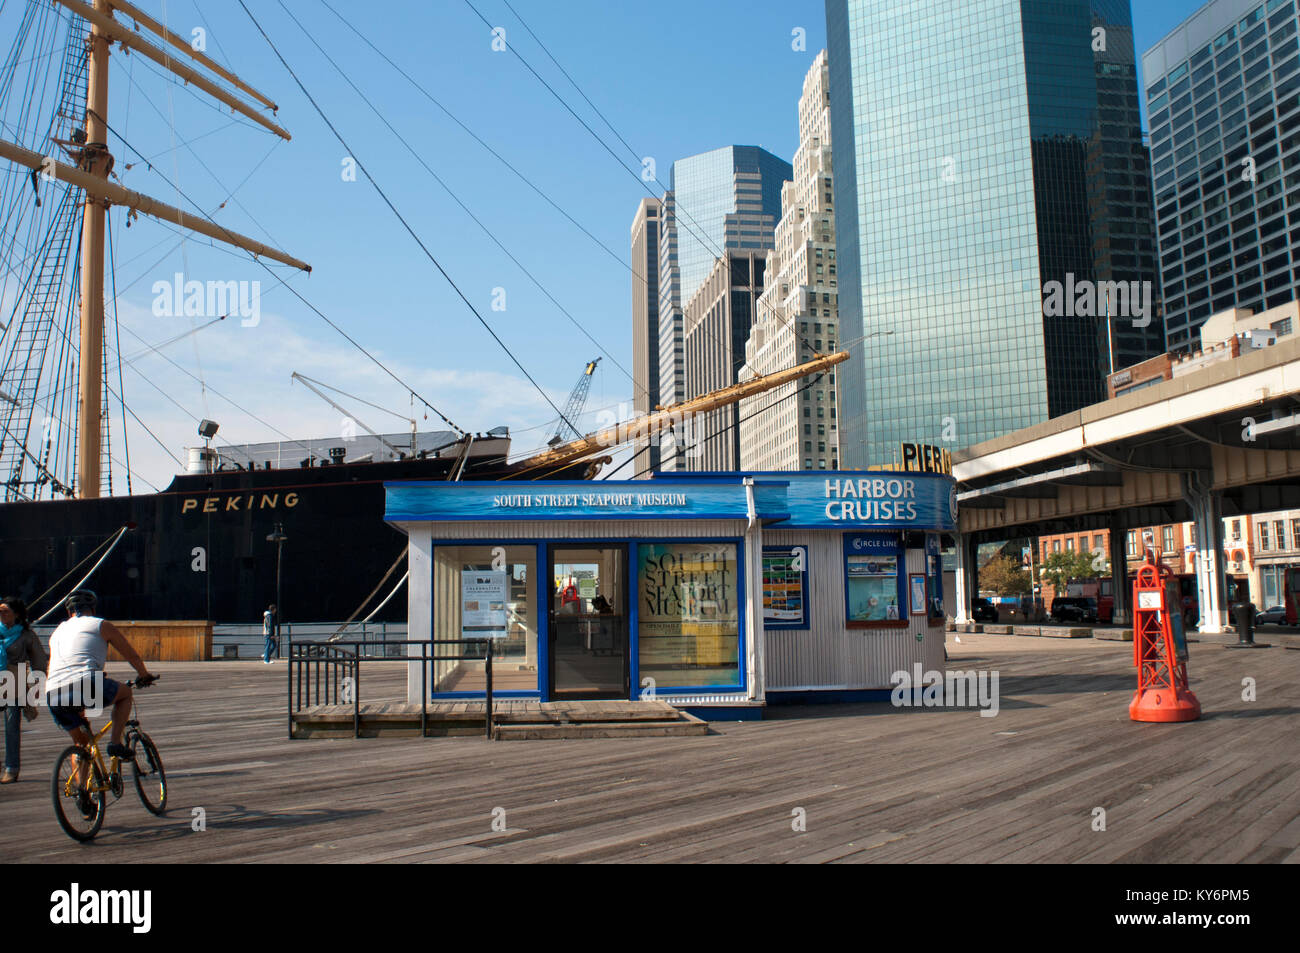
pixel 967 577
pixel 1207 516
pixel 1119 570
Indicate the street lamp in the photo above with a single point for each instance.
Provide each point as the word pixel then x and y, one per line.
pixel 279 539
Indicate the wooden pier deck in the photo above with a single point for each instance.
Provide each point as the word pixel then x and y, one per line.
pixel 513 719
pixel 874 783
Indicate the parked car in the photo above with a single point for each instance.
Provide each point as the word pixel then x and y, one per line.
pixel 1273 616
pixel 984 611
pixel 1074 609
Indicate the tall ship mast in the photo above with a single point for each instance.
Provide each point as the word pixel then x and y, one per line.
pixel 200 548
pixel 89 169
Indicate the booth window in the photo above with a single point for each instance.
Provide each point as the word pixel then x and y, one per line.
pixel 472 598
pixel 934 577
pixel 688 614
pixel 873 580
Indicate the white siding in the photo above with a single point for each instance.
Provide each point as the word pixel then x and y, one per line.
pixel 829 655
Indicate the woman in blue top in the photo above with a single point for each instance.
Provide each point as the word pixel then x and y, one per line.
pixel 18 646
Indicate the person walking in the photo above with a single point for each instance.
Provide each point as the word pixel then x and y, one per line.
pixel 19 646
pixel 271 650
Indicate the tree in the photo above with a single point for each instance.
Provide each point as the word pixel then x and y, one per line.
pixel 1093 565
pixel 1005 576
pixel 1059 568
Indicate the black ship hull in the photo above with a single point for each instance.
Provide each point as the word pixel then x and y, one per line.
pixel 199 549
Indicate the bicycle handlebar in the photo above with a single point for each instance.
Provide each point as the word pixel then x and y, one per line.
pixel 137 682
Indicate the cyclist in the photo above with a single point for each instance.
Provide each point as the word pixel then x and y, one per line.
pixel 78 651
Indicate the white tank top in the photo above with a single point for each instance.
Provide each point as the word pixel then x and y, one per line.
pixel 76 650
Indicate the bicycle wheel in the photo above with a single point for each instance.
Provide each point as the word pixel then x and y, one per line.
pixel 150 781
pixel 75 824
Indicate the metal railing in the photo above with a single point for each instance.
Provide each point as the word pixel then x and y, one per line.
pixel 245 640
pixel 329 673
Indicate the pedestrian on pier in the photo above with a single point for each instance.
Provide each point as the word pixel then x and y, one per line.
pixel 271 649
pixel 19 645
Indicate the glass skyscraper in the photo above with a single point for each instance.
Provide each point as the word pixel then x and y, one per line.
pixel 726 200
pixel 983 150
pixel 1223 101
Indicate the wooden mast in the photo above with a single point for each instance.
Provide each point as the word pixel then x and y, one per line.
pixel 94 164
pixel 653 423
pixel 95 161
pixel 109 193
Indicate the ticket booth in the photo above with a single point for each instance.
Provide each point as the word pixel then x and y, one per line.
pixel 720 593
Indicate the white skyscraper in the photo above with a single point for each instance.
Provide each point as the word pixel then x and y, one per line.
pixel 798 312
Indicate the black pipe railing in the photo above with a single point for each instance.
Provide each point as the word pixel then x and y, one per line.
pixel 329 673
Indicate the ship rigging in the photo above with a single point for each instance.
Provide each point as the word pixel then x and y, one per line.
pixel 196 548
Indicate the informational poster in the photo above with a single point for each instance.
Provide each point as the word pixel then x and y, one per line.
pixel 483 605
pixel 785 587
pixel 918 594
pixel 873 587
pixel 586 585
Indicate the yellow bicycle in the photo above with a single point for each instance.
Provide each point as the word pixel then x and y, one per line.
pixel 81 780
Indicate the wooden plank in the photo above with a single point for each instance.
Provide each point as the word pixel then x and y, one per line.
pixel 877 784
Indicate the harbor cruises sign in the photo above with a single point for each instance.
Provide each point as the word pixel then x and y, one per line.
pixel 826 499
pixel 872 498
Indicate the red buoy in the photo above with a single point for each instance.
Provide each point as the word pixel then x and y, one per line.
pixel 1162 694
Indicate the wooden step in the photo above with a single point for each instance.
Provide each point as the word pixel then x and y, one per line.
pixel 642 729
pixel 586 719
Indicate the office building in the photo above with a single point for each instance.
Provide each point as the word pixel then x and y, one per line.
pixel 645 324
pixel 988 154
pixel 794 427
pixel 1223 104
pixel 728 199
pixel 717 323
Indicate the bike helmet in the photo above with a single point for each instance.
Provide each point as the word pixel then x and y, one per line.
pixel 81 601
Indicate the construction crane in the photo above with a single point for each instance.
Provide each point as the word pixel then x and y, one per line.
pixel 573 407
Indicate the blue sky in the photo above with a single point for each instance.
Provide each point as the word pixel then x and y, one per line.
pixel 674 78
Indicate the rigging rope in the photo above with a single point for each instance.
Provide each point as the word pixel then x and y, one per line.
pixel 428 254
pixel 364 602
pixel 112 544
pixel 294 291
pixel 457 199
pixel 117 347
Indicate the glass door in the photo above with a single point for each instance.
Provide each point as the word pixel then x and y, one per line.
pixel 588 643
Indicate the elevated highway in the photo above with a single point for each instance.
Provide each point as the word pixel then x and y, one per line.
pixel 1219 441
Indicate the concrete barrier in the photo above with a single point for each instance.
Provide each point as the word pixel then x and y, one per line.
pixel 1053 631
pixel 1113 635
pixel 171 641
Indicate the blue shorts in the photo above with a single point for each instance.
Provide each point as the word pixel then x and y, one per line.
pixel 72 716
